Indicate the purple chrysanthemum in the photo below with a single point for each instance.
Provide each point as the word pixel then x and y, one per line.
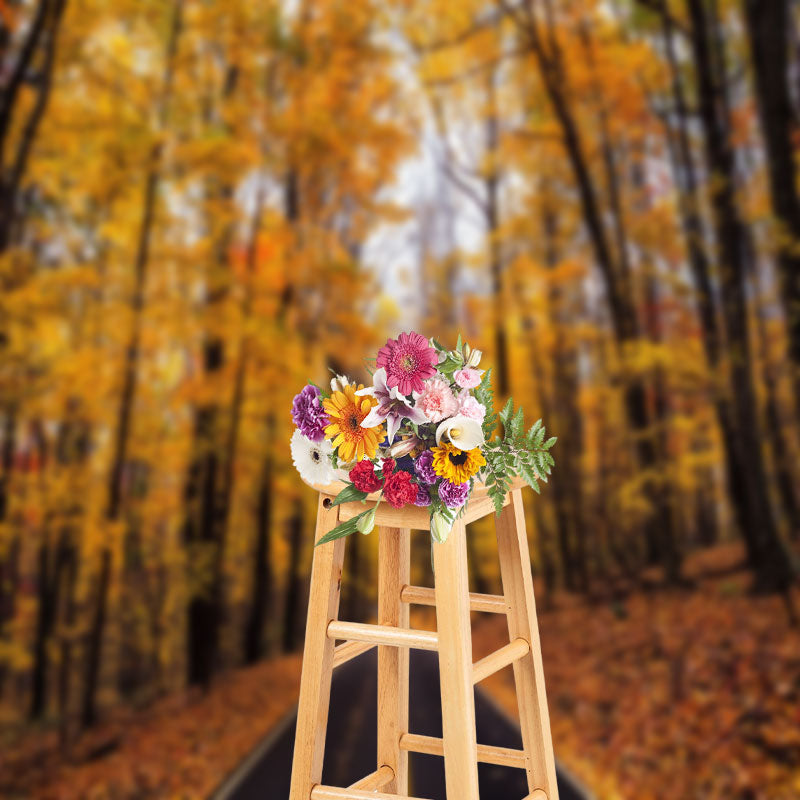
pixel 453 495
pixel 308 414
pixel 423 466
pixel 423 498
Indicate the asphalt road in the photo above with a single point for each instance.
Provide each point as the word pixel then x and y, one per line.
pixel 351 750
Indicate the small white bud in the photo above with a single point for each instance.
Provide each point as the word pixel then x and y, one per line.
pixel 403 448
pixel 440 528
pixel 474 358
pixel 338 383
pixel 366 523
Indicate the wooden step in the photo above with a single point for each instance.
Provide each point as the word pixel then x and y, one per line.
pixel 383 634
pixel 536 794
pixel 375 780
pixel 348 651
pixel 494 662
pixel 320 792
pixel 487 754
pixel 422 596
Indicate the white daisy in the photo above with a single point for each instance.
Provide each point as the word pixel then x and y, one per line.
pixel 312 459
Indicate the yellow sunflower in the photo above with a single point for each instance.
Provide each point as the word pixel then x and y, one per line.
pixel 346 412
pixel 457 466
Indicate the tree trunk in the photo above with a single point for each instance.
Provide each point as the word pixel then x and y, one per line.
pixel 563 410
pixel 261 602
pixel 685 173
pixel 768 26
pixel 615 271
pixel 766 552
pixel 65 661
pixel 42 36
pixel 293 611
pixel 10 558
pixel 495 251
pixel 45 616
pixel 125 413
pixel 782 466
pixel 95 643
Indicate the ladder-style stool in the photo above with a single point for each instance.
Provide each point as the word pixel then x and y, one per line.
pixel 453 641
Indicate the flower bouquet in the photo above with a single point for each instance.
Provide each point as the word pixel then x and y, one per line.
pixel 422 434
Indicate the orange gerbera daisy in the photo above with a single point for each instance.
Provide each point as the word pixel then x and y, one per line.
pixel 346 412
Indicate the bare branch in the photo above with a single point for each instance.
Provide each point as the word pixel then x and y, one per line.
pixel 465 188
pixel 459 38
pixel 660 7
pixel 11 90
pixel 477 69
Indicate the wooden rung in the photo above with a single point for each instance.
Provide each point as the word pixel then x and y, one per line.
pixel 348 651
pixel 536 794
pixel 494 662
pixel 383 634
pixel 320 792
pixel 375 780
pixel 487 754
pixel 421 596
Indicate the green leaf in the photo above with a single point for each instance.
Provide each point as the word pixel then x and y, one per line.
pixel 449 366
pixel 484 394
pixel 550 442
pixel 517 423
pixel 323 392
pixel 348 495
pixel 508 410
pixel 344 529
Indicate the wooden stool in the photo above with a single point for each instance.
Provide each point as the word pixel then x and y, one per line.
pixel 453 641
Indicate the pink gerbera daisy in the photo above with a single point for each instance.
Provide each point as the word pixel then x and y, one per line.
pixel 408 360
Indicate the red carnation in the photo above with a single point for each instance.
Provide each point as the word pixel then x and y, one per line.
pixel 388 466
pixel 399 490
pixel 364 478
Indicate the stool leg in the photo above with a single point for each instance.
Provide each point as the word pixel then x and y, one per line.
pixel 394 557
pixel 512 542
pixel 455 666
pixel 315 683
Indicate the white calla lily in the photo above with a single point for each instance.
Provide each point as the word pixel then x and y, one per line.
pixel 463 432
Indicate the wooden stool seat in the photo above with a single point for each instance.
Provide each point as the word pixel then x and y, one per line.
pixel 393 637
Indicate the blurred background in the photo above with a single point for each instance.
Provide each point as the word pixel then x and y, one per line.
pixel 205 204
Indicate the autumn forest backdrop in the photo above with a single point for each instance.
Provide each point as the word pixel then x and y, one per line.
pixel 205 204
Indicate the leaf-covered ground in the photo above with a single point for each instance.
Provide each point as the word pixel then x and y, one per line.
pixel 182 747
pixel 658 694
pixel 692 695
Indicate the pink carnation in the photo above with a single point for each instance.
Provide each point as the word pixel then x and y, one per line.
pixel 468 406
pixel 468 378
pixel 437 400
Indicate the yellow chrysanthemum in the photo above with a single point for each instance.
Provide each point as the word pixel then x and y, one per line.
pixel 346 412
pixel 457 466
